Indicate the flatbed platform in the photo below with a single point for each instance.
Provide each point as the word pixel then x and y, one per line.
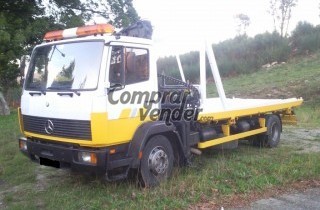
pixel 237 107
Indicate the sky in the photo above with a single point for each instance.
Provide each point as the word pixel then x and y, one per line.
pixel 181 25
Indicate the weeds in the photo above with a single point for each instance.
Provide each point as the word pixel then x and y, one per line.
pixel 214 174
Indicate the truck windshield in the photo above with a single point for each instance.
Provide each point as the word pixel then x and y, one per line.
pixel 70 66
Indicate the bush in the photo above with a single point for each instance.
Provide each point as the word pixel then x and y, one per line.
pixel 305 38
pixel 243 54
pixel 189 62
pixel 13 96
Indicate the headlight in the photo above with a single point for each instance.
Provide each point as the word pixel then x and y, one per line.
pixel 23 144
pixel 87 157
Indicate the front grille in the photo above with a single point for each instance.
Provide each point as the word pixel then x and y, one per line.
pixel 75 129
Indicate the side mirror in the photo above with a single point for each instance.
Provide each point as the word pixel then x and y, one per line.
pixel 24 64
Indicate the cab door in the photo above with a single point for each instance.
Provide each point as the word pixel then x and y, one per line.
pixel 131 88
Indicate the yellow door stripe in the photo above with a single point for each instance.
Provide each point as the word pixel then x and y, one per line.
pixel 125 113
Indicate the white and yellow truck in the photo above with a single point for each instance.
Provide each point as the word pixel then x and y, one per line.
pixel 92 101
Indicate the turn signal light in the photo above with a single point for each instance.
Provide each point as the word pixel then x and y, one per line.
pixel 112 151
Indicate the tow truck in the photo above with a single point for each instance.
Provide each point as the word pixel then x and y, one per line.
pixel 93 101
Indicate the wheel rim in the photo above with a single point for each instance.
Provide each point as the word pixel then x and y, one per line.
pixel 275 132
pixel 158 161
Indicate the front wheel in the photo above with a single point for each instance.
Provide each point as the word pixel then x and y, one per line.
pixel 272 137
pixel 157 161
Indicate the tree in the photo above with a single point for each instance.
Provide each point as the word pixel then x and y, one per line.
pixel 123 12
pixel 281 14
pixel 305 38
pixel 243 22
pixel 24 22
pixel 15 32
pixel 120 13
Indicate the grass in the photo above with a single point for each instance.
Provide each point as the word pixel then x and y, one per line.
pixel 214 175
pixel 309 115
pixel 13 166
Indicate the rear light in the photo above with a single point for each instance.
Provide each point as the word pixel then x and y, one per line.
pixel 23 144
pixel 87 157
pixel 79 32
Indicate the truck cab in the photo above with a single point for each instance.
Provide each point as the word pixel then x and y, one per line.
pixel 78 95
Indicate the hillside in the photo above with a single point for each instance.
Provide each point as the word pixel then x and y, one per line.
pixel 300 77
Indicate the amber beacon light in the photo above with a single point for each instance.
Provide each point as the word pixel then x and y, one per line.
pixel 79 32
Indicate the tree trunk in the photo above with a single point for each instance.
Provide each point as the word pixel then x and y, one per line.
pixel 4 109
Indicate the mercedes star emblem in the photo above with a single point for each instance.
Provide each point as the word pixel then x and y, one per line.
pixel 49 127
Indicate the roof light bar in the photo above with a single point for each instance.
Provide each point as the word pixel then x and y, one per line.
pixel 79 32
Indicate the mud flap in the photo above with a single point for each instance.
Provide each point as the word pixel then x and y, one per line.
pixel 289 119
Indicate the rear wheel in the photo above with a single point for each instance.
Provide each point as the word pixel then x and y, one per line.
pixel 157 161
pixel 272 137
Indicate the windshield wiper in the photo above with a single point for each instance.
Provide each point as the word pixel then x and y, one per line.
pixel 38 92
pixel 68 92
pixel 65 94
pixel 76 92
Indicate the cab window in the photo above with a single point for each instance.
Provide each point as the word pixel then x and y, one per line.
pixel 128 65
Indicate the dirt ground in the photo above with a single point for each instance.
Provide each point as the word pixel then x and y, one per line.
pixel 306 140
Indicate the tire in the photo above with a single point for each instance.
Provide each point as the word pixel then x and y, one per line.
pixel 157 161
pixel 272 137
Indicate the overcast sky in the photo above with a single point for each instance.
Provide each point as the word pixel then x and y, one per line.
pixel 180 25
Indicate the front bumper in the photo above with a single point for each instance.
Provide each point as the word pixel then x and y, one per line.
pixel 61 155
